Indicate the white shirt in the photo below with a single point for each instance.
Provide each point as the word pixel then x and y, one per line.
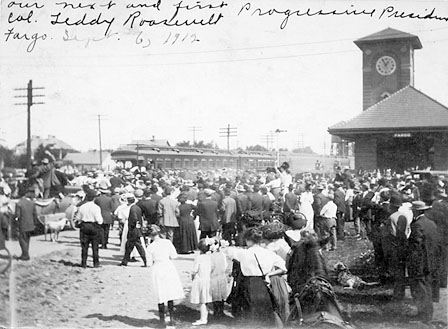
pixel 89 213
pixel 329 210
pixel 249 267
pixel 122 212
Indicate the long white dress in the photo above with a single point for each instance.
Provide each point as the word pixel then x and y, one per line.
pixel 306 208
pixel 164 281
pixel 200 289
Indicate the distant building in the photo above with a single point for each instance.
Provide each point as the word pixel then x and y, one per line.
pixel 85 161
pixel 400 127
pixel 58 145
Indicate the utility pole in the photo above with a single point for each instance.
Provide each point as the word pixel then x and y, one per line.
pixel 278 131
pixel 228 132
pixel 29 103
pixel 194 129
pixel 268 139
pixel 99 137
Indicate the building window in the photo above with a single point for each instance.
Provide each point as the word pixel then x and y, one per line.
pixel 195 163
pixel 224 163
pixel 168 163
pixel 159 163
pixel 177 163
pixel 211 163
pixel 231 163
pixel 218 163
pixel 203 163
pixel 186 163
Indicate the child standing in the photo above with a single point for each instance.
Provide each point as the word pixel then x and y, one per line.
pixel 200 290
pixel 218 278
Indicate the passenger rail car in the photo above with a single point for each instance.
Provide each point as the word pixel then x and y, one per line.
pixel 192 158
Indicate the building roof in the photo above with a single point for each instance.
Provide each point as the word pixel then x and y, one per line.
pixel 406 110
pixel 389 35
pixel 152 142
pixel 86 158
pixel 37 140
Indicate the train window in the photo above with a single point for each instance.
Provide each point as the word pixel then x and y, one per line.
pixel 168 163
pixel 186 163
pixel 195 163
pixel 211 163
pixel 177 163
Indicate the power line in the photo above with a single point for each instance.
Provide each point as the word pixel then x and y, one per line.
pixel 227 133
pixel 29 96
pixel 194 129
pixel 268 139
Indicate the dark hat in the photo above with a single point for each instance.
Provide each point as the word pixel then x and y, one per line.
pixel 91 193
pixel 298 222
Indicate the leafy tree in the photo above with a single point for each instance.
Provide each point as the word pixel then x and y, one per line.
pixel 306 150
pixel 256 148
pixel 199 144
pixel 39 154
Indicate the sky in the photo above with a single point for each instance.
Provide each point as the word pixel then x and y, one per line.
pixel 247 71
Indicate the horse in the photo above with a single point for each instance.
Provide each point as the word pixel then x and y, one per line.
pixel 312 299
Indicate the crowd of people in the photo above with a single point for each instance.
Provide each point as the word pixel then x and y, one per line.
pixel 257 220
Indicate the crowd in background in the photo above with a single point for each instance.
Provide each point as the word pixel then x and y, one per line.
pixel 404 216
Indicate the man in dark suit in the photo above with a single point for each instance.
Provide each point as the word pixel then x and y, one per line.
pixel 339 200
pixel 26 216
pixel 366 209
pixel 148 207
pixel 208 215
pixel 255 203
pixel 241 202
pixel 134 237
pixel 424 260
pixel 104 201
pixel 154 195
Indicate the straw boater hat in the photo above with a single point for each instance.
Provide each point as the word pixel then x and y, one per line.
pixel 419 205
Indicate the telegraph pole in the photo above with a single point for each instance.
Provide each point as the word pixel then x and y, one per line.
pixel 278 131
pixel 268 139
pixel 194 129
pixel 99 137
pixel 29 103
pixel 227 133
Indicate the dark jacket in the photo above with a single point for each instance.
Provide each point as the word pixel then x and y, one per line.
pixel 208 215
pixel 339 200
pixel 242 203
pixel 135 216
pixel 107 207
pixel 320 200
pixel 255 202
pixel 149 209
pixel 26 214
pixel 424 248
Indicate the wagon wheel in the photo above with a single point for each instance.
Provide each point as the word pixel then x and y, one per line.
pixel 5 260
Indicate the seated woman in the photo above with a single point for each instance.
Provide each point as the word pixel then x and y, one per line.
pixel 257 264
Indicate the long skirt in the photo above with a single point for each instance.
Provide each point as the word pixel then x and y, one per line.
pixel 188 240
pixel 256 300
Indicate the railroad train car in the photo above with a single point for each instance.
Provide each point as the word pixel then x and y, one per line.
pixel 167 157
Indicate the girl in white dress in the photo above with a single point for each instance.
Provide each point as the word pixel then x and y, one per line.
pixel 306 208
pixel 164 282
pixel 200 290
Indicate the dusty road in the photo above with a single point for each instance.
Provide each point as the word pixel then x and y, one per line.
pixel 52 291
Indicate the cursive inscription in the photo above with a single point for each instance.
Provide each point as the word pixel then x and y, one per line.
pixel 33 38
pixel 60 18
pixel 134 18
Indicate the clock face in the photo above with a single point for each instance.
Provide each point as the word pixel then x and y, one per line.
pixel 386 65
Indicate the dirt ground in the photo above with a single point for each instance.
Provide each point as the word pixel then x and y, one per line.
pixel 51 290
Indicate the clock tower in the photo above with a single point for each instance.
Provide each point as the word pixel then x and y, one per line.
pixel 387 63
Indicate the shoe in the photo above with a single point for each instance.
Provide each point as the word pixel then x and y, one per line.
pixel 97 265
pixel 144 265
pixel 104 247
pixel 199 323
pixel 121 264
pixel 133 260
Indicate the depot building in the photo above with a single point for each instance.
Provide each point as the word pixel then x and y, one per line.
pixel 400 127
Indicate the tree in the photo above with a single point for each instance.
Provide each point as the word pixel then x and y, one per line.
pixel 306 150
pixel 256 148
pixel 199 144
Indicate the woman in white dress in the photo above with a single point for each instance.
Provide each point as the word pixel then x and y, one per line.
pixel 306 208
pixel 164 282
